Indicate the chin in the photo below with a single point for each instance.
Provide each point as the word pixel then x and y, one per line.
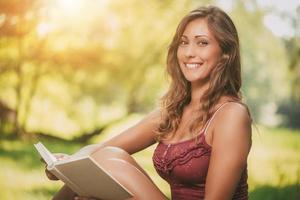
pixel 195 78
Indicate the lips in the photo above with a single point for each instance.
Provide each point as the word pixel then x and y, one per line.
pixel 193 65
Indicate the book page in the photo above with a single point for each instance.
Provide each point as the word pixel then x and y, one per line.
pixel 86 151
pixel 48 157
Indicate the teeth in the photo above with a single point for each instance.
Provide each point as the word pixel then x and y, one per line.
pixel 192 65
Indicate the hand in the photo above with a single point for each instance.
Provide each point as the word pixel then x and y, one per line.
pixel 85 198
pixel 59 156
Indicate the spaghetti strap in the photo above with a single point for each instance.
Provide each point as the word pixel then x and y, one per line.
pixel 212 117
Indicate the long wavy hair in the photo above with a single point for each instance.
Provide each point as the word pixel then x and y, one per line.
pixel 225 77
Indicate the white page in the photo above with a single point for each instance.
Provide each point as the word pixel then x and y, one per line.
pixel 45 154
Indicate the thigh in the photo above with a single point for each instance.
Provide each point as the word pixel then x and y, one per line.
pixel 126 170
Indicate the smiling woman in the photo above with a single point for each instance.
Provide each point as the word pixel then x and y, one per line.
pixel 203 129
pixel 198 51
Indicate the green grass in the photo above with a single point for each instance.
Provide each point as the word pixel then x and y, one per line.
pixel 273 167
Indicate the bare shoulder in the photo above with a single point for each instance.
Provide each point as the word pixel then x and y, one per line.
pixel 231 144
pixel 234 113
pixel 233 123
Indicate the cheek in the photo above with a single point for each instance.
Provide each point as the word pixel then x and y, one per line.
pixel 179 54
pixel 213 56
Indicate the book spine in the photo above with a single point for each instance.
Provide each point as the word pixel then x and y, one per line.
pixel 67 181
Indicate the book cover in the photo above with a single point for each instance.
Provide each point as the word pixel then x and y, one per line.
pixel 84 175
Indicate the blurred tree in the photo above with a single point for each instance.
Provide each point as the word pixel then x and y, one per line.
pixel 290 107
pixel 264 62
pixel 118 69
pixel 77 73
pixel 7 116
pixel 293 49
pixel 17 22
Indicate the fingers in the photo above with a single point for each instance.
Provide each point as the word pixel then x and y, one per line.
pixel 61 156
pixel 42 160
pixel 50 175
pixel 58 156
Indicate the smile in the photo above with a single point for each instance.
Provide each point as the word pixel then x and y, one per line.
pixel 193 65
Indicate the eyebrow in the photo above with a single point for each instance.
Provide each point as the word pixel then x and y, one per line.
pixel 197 36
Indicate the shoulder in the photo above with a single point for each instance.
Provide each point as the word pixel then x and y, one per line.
pixel 232 123
pixel 233 113
pixel 231 143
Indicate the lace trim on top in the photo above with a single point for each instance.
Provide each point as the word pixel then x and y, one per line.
pixel 166 164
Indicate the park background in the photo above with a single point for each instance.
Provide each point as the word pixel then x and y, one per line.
pixel 76 72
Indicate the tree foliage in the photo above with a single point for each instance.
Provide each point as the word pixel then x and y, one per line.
pixel 71 69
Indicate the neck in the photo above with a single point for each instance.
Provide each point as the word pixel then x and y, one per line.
pixel 197 92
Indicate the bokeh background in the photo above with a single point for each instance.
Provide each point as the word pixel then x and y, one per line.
pixel 76 72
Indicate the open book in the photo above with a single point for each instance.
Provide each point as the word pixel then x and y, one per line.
pixel 83 175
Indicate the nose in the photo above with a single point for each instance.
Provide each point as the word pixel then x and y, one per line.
pixel 190 51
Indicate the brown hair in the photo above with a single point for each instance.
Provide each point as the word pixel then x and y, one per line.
pixel 225 78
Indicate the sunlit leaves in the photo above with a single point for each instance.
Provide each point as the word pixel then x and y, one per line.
pixel 83 63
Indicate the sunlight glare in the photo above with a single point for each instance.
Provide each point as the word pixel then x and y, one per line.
pixel 74 22
pixel 70 6
pixel 278 26
pixel 2 19
pixel 43 29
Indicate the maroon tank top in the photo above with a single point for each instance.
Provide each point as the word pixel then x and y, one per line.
pixel 184 165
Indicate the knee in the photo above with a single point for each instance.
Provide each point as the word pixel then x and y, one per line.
pixel 113 150
pixel 110 152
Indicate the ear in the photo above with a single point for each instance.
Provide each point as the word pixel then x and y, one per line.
pixel 225 56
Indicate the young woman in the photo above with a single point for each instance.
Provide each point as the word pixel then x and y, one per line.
pixel 203 129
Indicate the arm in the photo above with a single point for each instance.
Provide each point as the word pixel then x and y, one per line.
pixel 135 138
pixel 231 143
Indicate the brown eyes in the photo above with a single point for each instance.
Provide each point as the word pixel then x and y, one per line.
pixel 183 42
pixel 201 43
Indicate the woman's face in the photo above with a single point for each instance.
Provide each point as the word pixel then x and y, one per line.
pixel 198 51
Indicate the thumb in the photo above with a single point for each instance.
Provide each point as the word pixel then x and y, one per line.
pixel 60 156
